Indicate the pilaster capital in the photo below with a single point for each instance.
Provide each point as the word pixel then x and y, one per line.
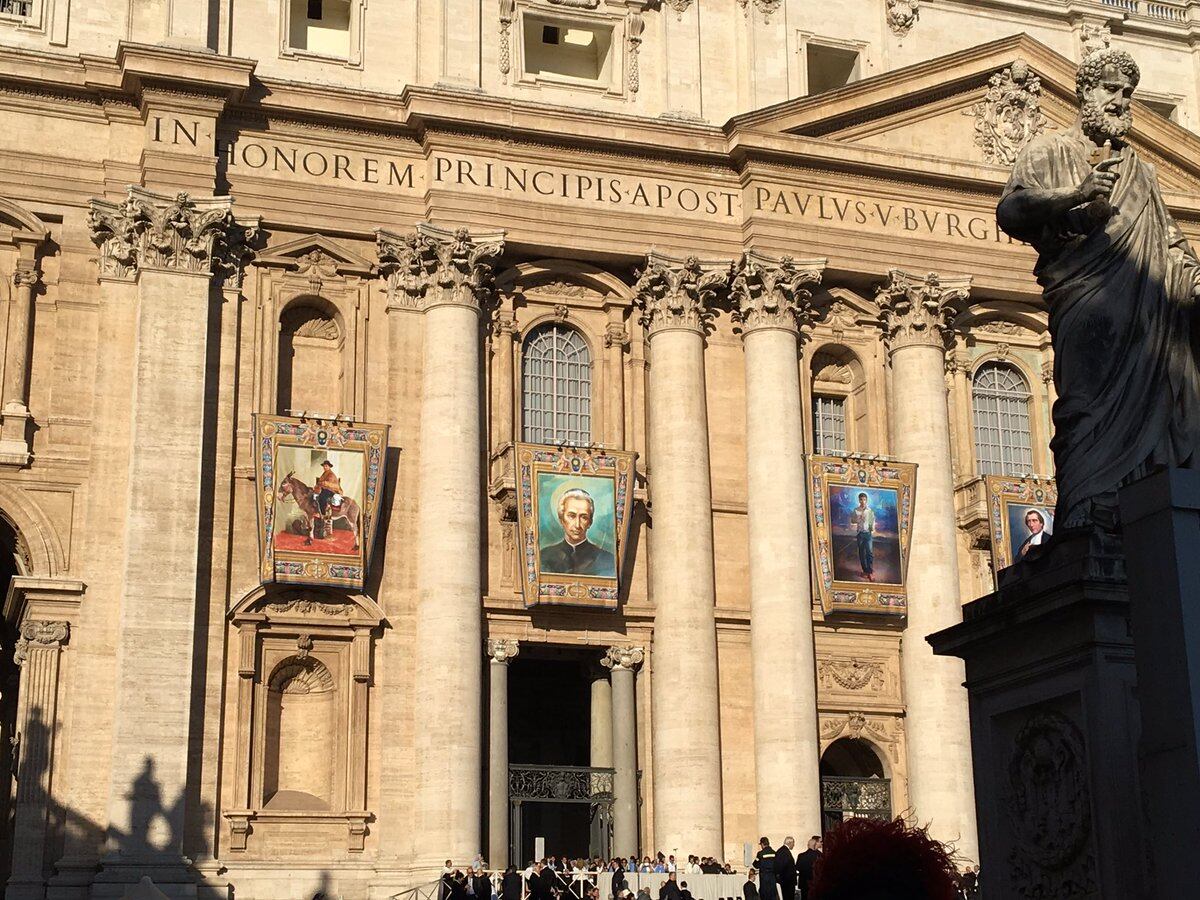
pixel 36 633
pixel 179 233
pixel 678 294
pixel 916 310
pixel 25 274
pixel 769 292
pixel 504 324
pixel 958 361
pixel 438 267
pixel 502 650
pixel 616 335
pixel 629 658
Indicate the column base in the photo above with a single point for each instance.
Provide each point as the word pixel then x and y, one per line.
pixel 123 878
pixel 73 878
pixel 14 435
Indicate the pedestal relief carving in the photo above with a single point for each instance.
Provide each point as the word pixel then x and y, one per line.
pixel 917 309
pixel 1010 113
pixel 674 293
pixel 1049 810
pixel 902 15
pixel 770 293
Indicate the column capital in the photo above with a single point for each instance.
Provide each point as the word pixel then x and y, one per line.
pixel 39 633
pixel 677 294
pixel 25 274
pixel 434 266
pixel 769 292
pixel 504 324
pixel 502 650
pixel 623 658
pixel 616 335
pixel 915 310
pixel 175 233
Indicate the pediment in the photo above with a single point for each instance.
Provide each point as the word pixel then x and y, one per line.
pixel 316 249
pixel 932 109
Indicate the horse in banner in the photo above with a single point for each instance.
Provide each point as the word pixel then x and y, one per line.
pixel 292 488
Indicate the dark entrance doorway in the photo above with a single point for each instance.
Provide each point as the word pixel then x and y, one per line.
pixel 553 792
pixel 9 673
pixel 853 785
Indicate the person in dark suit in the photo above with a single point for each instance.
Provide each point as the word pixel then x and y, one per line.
pixel 510 884
pixel 575 554
pixel 618 881
pixel 541 882
pixel 750 888
pixel 764 861
pixel 670 889
pixel 1035 524
pixel 482 885
pixel 785 869
pixel 806 865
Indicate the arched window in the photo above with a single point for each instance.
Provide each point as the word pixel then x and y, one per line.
pixel 837 398
pixel 310 360
pixel 556 391
pixel 1000 398
pixel 853 783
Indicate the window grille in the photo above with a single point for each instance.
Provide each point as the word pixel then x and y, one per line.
pixel 21 8
pixel 829 424
pixel 1003 444
pixel 556 394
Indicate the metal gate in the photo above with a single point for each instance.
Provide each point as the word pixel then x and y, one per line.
pixel 854 798
pixel 561 784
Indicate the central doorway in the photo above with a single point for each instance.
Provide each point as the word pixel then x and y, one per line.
pixel 555 791
pixel 853 784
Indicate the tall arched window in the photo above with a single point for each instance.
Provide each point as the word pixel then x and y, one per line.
pixel 556 390
pixel 1000 397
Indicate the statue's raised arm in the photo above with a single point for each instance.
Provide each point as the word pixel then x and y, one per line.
pixel 1119 282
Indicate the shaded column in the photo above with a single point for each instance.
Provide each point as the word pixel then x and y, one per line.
pixel 770 304
pixel 958 365
pixel 14 434
pixel 454 269
pixel 616 339
pixel 499 652
pixel 915 311
pixel 624 663
pixel 504 332
pixel 37 653
pixel 675 296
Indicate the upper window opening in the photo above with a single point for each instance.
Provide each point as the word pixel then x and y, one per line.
pixel 321 27
pixel 1000 397
pixel 22 9
pixel 830 67
pixel 556 387
pixel 576 52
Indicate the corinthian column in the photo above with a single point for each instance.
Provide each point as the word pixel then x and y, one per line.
pixel 624 662
pixel 171 246
pixel 674 296
pixel 454 277
pixel 771 302
pixel 915 313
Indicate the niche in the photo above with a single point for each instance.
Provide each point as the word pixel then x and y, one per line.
pixel 311 375
pixel 301 736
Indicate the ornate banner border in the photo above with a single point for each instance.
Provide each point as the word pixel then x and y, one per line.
pixel 1004 491
pixel 570 590
pixel 310 565
pixel 826 472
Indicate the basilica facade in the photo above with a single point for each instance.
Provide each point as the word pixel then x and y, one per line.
pixel 723 235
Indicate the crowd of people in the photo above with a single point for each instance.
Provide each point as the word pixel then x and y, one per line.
pixel 866 860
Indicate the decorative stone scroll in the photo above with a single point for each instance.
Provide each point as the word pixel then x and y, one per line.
pixel 434 266
pixel 630 658
pixel 1010 114
pixel 679 294
pixel 179 234
pixel 770 293
pixel 916 309
pixel 902 15
pixel 502 650
pixel 36 633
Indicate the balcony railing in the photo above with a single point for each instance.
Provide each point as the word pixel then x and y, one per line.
pixel 1166 12
pixel 560 784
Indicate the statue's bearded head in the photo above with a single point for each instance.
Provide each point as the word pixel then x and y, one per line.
pixel 1105 84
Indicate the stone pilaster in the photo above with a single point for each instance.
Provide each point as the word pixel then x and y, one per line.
pixel 504 336
pixel 916 312
pixel 675 297
pixel 499 653
pixel 624 663
pixel 616 341
pixel 771 302
pixel 958 370
pixel 14 433
pixel 453 280
pixel 171 246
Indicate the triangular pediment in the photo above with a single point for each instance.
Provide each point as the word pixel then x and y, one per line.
pixel 298 253
pixel 929 109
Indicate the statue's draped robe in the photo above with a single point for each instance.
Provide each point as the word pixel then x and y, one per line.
pixel 1119 292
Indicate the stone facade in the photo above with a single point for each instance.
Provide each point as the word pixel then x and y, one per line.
pixel 201 220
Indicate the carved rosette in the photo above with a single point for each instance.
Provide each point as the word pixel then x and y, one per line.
pixel 437 267
pixel 771 293
pixel 38 634
pixel 916 310
pixel 1010 114
pixel 679 294
pixel 628 658
pixel 902 15
pixel 178 234
pixel 502 650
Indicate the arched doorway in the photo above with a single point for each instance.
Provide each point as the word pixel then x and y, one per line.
pixel 9 672
pixel 854 784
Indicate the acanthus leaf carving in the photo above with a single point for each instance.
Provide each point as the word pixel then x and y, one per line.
pixel 771 293
pixel 766 7
pixel 902 15
pixel 1010 114
pixel 674 293
pixel 917 309
pixel 434 266
pixel 35 632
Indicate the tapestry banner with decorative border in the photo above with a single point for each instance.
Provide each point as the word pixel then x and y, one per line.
pixel 573 511
pixel 861 510
pixel 1020 515
pixel 320 486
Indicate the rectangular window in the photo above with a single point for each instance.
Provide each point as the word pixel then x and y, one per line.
pixel 20 9
pixel 829 424
pixel 320 27
pixel 576 53
pixel 830 67
pixel 1164 108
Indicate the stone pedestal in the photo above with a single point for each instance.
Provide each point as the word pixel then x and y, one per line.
pixel 1054 727
pixel 1161 522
